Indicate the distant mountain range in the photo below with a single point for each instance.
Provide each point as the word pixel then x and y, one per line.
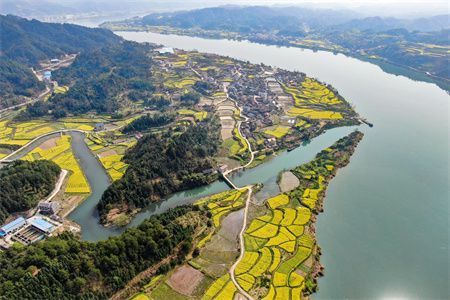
pixel 259 18
pixel 249 19
pixel 434 23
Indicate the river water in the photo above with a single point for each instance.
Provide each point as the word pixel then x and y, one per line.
pixel 385 232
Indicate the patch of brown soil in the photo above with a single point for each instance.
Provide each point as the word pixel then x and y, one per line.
pixel 288 182
pixel 226 133
pixel 185 279
pixel 49 143
pixel 107 153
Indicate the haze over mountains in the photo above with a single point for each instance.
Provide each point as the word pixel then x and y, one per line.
pixel 258 18
pixel 73 9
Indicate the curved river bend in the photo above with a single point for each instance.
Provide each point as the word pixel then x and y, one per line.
pixel 384 233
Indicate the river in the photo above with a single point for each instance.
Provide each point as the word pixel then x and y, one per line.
pixel 384 233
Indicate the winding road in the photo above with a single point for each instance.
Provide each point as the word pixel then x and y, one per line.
pixel 247 202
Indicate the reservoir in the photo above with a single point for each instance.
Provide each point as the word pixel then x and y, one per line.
pixel 385 232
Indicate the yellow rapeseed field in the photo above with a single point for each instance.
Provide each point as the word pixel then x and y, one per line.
pixel 63 156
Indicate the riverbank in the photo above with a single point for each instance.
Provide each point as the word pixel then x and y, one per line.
pixel 386 65
pixel 280 255
pixel 393 153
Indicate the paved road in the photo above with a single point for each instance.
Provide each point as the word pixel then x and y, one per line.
pixel 47 90
pixel 247 202
pixel 58 185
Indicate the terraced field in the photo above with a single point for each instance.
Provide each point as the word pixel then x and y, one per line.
pixel 197 115
pixel 61 153
pixel 215 282
pixel 316 101
pixel 20 133
pixel 222 289
pixel 220 205
pixel 110 152
pixel 281 259
pixel 276 245
pixel 277 131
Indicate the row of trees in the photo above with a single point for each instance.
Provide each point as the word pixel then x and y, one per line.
pixel 162 164
pixel 23 184
pixel 64 267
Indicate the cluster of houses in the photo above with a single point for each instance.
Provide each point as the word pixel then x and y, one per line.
pixel 257 89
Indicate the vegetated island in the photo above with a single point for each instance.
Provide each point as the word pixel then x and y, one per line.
pixel 186 252
pixel 420 46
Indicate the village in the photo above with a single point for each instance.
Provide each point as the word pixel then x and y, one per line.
pixel 283 108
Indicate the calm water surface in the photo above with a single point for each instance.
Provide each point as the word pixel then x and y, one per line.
pixel 385 232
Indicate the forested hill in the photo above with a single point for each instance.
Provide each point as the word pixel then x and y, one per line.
pixel 23 184
pixel 161 165
pixel 101 80
pixel 26 42
pixel 259 19
pixel 249 19
pixel 29 41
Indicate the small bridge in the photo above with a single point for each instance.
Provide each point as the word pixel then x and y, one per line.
pixel 229 182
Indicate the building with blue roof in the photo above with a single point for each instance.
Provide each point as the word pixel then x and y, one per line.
pixel 12 226
pixel 47 75
pixel 42 225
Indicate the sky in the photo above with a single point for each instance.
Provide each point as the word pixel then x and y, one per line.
pixel 396 8
pixel 370 7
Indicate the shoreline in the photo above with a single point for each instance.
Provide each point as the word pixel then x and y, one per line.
pixel 442 83
pixel 319 269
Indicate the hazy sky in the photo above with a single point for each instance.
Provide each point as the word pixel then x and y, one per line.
pixel 398 8
pixel 385 7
